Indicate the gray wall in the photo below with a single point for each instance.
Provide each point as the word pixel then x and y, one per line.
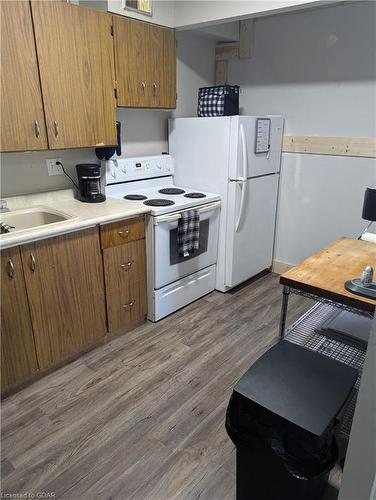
pixel 144 132
pixel 318 70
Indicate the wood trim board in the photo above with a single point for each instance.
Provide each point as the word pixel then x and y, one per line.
pixel 227 51
pixel 246 35
pixel 335 146
pixel 221 68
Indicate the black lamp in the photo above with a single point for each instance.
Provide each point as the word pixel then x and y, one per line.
pixel 369 207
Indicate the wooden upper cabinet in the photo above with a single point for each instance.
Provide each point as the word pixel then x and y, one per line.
pixel 131 42
pixel 18 356
pixel 163 67
pixel 22 118
pixel 76 64
pixel 65 287
pixel 145 62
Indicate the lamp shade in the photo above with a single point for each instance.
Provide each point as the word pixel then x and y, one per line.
pixel 369 204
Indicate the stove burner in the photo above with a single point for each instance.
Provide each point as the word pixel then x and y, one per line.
pixel 136 197
pixel 171 191
pixel 159 202
pixel 195 195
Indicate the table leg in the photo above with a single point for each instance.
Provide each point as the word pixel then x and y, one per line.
pixel 285 303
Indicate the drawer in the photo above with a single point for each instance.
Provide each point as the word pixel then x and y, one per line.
pixel 124 313
pixel 120 232
pixel 124 263
pixel 125 278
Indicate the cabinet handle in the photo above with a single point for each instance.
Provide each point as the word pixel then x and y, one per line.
pixel 33 264
pixel 56 128
pixel 155 89
pixel 143 86
pixel 129 305
pixel 124 234
pixel 127 266
pixel 37 129
pixel 11 270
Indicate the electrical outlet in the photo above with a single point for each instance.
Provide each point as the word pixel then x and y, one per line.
pixel 54 169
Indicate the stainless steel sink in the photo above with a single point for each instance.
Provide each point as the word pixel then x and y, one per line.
pixel 30 218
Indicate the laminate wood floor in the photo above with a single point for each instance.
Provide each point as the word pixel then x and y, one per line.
pixel 143 416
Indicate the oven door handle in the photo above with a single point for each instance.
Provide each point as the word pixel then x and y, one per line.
pixel 166 218
pixel 209 207
pixel 175 217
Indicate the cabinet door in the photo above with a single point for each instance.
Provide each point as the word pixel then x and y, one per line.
pixel 75 54
pixel 22 117
pixel 18 357
pixel 64 281
pixel 125 276
pixel 163 67
pixel 132 65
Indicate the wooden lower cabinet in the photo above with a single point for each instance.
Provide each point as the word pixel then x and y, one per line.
pixel 18 356
pixel 54 298
pixel 65 287
pixel 125 277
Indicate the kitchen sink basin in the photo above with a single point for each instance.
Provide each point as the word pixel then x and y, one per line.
pixel 30 218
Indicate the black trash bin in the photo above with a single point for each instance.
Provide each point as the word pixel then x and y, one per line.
pixel 282 419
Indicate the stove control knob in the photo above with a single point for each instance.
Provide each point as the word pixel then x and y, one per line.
pixel 159 166
pixel 124 169
pixel 113 173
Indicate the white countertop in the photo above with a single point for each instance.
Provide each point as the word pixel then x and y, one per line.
pixel 85 214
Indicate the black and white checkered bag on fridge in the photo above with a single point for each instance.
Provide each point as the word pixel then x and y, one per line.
pixel 211 104
pixel 221 100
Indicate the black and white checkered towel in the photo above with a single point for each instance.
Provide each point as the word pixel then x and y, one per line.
pixel 188 233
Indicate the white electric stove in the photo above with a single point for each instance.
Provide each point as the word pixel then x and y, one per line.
pixel 173 281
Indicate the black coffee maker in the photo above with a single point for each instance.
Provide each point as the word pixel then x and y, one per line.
pixel 89 183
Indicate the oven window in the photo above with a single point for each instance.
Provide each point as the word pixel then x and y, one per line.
pixel 203 243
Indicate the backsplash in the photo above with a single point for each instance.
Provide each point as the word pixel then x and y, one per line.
pixel 144 132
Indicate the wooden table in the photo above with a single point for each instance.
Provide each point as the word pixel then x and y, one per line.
pixel 324 275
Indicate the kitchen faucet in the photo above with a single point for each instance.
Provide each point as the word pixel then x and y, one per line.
pixel 4 206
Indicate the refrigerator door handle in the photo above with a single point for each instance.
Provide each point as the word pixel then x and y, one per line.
pixel 243 178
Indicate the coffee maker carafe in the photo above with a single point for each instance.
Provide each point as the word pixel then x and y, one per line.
pixel 89 183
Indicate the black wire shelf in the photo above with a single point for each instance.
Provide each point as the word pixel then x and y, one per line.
pixel 304 332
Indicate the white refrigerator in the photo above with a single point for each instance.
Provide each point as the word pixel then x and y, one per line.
pixel 238 157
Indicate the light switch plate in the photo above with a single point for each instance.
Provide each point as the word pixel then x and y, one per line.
pixel 54 169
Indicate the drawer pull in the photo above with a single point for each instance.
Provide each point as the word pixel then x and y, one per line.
pixel 127 266
pixel 124 234
pixel 129 305
pixel 10 268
